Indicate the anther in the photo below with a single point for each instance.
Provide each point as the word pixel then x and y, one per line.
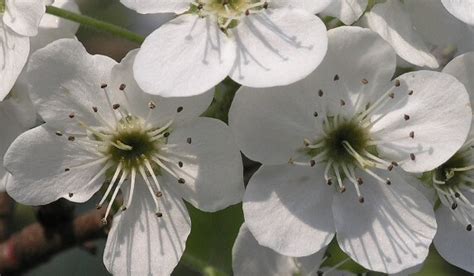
pixel 306 142
pixel 391 95
pixel 412 134
pixel 336 77
pixel 412 156
pixel 312 163
pixel 469 227
pixel 397 83
pixel 95 109
pixel 159 214
pixel 71 194
pixel 320 273
pixel 456 194
pixel 71 138
pixel 189 140
pixel 159 194
pixel 406 117
pixel 181 181
pixel 343 103
pixel 98 206
pixel 72 115
pixel 166 134
pixel 67 169
pixel 247 13
pixel 329 181
pixel 364 81
pixel 395 164
pixel 390 167
pixel 410 92
pixel 454 206
pixel 320 93
pixel 122 87
pixel 179 109
pixel 360 181
pixel 151 105
pixel 315 114
pixel 180 164
pixel 265 5
pixel 116 106
pixel 388 181
pixel 103 221
pixel 361 199
pixel 124 208
pixel 104 85
pixel 59 133
pixel 342 190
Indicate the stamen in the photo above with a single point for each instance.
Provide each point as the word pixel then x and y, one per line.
pixel 111 184
pixel 114 195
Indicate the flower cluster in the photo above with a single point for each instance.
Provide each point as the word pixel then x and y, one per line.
pixel 353 152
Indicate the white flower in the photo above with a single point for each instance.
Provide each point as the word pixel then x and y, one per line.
pixel 454 184
pixel 101 127
pixel 257 43
pixel 344 125
pixel 420 31
pixel 461 9
pixel 19 20
pixel 16 116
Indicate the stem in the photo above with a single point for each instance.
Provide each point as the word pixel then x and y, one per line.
pixel 95 23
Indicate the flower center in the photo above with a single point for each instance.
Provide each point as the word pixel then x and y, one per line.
pixel 127 146
pixel 452 180
pixel 227 13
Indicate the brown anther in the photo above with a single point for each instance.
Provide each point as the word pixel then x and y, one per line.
pixel 59 133
pixel 336 77
pixel 104 85
pixel 360 181
pixel 247 12
pixel 71 138
pixel 395 164
pixel 179 109
pixel 122 87
pixel 312 163
pixel 412 156
pixel 166 134
pixel 159 194
pixel 410 92
pixel 406 117
pixel 103 221
pixel 388 182
pixel 329 181
pixel 412 134
pixel 151 105
pixel 391 95
pixel 469 227
pixel 116 106
pixel 456 194
pixel 342 102
pixel 390 167
pixel 454 206
pixel 189 140
pixel 98 207
pixel 181 181
pixel 306 142
pixel 320 93
pixel 364 81
pixel 72 115
pixel 159 214
pixel 180 164
pixel 315 114
pixel 342 190
pixel 95 109
pixel 397 83
pixel 67 169
pixel 71 195
pixel 124 208
pixel 265 5
pixel 361 199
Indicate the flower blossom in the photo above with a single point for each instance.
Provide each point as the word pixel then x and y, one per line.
pixel 331 146
pixel 101 128
pixel 257 43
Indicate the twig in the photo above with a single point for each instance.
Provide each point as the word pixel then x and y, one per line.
pixel 35 244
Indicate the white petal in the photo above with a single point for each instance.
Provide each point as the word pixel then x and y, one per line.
pixel 157 6
pixel 278 47
pixel 452 241
pixel 166 108
pixel 211 164
pixel 393 24
pixel 288 209
pixel 391 231
pixel 24 16
pixel 310 265
pixel 270 125
pixel 185 57
pixel 68 80
pixel 348 11
pixel 3 181
pixel 439 114
pixel 14 50
pixel 464 10
pixel 308 5
pixel 140 243
pixel 462 67
pixel 250 258
pixel 38 160
pixel 52 28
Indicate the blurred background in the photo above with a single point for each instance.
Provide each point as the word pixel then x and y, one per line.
pixel 212 235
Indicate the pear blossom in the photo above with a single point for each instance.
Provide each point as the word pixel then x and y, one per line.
pixel 19 20
pixel 422 32
pixel 454 185
pixel 461 9
pixel 101 128
pixel 331 144
pixel 257 43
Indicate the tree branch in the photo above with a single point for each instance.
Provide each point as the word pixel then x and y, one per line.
pixel 36 243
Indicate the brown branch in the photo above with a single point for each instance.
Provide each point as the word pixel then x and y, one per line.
pixel 6 215
pixel 36 243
